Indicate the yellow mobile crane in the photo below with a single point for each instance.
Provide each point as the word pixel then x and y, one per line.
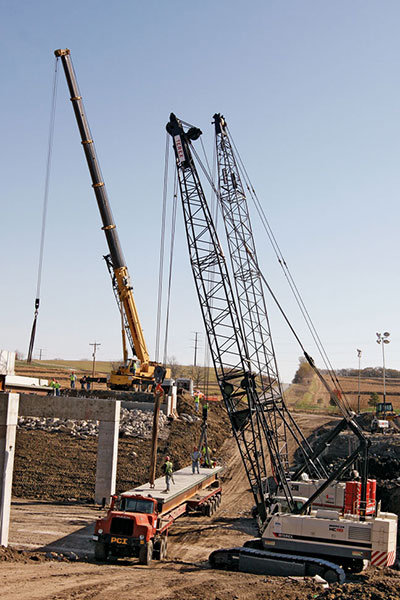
pixel 129 374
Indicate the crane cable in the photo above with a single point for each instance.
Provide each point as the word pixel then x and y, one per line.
pixel 289 277
pixel 162 251
pixel 44 213
pixel 171 259
pixel 341 402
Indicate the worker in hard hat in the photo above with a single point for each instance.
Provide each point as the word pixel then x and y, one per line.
pixel 205 409
pixel 195 460
pixel 196 400
pixel 168 470
pixel 72 380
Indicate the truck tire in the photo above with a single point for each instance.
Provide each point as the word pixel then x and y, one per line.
pixel 100 551
pixel 146 553
pixel 163 548
pixel 157 549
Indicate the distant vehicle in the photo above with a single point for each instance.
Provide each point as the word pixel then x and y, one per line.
pixel 384 410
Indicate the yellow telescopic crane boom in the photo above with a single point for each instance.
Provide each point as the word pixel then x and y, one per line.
pixel 146 369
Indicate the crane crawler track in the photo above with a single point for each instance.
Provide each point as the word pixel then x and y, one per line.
pixel 251 560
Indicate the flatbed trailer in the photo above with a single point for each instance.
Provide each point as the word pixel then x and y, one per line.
pixel 138 520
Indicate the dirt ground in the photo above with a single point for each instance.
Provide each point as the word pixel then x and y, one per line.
pixel 50 556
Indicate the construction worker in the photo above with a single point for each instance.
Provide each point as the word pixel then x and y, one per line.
pixel 205 409
pixel 195 460
pixel 72 380
pixel 53 386
pixel 168 470
pixel 82 381
pixel 206 456
pixel 196 400
pixel 57 386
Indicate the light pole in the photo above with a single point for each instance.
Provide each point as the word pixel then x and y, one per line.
pixel 383 339
pixel 359 371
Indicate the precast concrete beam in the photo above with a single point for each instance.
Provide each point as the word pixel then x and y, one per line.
pixel 67 407
pixel 8 427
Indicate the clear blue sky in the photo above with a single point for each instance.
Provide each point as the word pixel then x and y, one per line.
pixel 311 93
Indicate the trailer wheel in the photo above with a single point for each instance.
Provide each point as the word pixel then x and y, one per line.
pixel 212 506
pixel 101 551
pixel 146 553
pixel 208 509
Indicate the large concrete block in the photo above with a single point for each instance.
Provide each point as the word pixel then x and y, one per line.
pixel 107 456
pixel 8 426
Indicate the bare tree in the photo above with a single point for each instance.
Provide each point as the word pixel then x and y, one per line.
pixel 172 364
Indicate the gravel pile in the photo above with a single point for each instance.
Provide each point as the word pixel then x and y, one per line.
pixel 133 423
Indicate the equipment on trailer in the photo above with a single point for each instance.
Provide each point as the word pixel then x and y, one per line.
pixel 186 384
pixel 138 521
pixel 293 530
pixel 128 375
pixel 379 425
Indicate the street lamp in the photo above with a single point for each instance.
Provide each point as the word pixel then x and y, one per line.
pixel 359 371
pixel 383 339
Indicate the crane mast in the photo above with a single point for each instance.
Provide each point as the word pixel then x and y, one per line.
pixel 228 345
pixel 253 311
pixel 254 317
pixel 121 281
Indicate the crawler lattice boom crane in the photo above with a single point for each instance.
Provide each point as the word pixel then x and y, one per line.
pixel 297 537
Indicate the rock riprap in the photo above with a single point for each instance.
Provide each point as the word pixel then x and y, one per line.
pixel 133 423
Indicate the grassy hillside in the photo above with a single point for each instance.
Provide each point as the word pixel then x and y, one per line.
pixel 310 395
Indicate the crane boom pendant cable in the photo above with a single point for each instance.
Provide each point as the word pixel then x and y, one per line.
pixel 162 250
pixel 44 213
pixel 171 260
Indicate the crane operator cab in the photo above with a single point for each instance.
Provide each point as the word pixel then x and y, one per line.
pixel 280 505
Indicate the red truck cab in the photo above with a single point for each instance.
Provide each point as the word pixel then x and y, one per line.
pixel 131 522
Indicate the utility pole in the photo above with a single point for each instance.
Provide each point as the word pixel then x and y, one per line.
pixel 95 346
pixel 40 353
pixel 359 371
pixel 196 333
